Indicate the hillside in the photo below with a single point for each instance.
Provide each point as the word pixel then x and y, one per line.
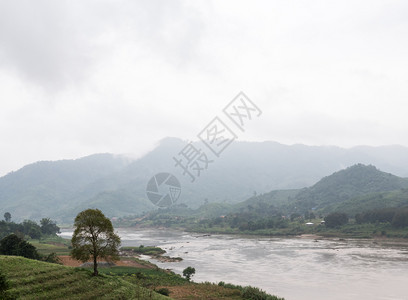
pixel 359 189
pixel 353 189
pixel 61 189
pixel 396 198
pixel 43 188
pixel 347 184
pixel 31 279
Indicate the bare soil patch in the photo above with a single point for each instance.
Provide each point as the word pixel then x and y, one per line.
pixel 69 261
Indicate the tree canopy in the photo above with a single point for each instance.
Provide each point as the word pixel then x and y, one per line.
pixel 94 238
pixel 400 219
pixel 336 219
pixel 48 226
pixel 7 217
pixel 188 272
pixel 13 245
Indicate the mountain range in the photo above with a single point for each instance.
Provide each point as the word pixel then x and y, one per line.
pixel 117 184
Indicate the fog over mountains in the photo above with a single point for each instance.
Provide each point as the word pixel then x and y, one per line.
pixel 116 184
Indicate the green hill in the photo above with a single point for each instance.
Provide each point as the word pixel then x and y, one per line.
pixel 354 189
pixel 344 185
pixel 31 279
pixel 41 189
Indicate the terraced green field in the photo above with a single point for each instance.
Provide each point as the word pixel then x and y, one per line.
pixel 31 279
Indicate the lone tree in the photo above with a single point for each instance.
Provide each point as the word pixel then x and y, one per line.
pixel 7 217
pixel 188 272
pixel 94 237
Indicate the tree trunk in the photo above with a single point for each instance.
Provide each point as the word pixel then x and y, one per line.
pixel 95 266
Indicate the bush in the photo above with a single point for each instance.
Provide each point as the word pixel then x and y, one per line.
pixel 4 286
pixel 188 272
pixel 52 258
pixel 253 293
pixel 400 219
pixel 336 219
pixel 146 250
pixel 383 215
pixel 164 291
pixel 13 245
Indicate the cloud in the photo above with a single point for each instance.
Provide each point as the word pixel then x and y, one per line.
pixel 78 77
pixel 57 43
pixel 43 43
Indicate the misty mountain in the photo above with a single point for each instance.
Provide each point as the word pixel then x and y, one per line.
pixel 43 188
pixel 118 186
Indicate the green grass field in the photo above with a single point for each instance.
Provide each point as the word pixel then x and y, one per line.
pixel 146 250
pixel 182 289
pixel 146 277
pixel 31 279
pixel 51 244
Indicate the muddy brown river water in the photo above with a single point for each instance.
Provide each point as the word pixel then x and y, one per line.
pixel 293 268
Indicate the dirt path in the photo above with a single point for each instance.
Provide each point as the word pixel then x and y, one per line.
pixel 203 292
pixel 69 261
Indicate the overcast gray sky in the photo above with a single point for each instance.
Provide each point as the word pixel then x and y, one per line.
pixel 83 77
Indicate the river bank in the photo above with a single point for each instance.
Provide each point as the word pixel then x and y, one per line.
pixel 300 267
pixel 378 232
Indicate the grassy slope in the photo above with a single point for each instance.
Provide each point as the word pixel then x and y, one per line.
pixel 30 279
pixel 180 288
pixel 50 244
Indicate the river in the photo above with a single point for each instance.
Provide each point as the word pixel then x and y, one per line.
pixel 293 268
